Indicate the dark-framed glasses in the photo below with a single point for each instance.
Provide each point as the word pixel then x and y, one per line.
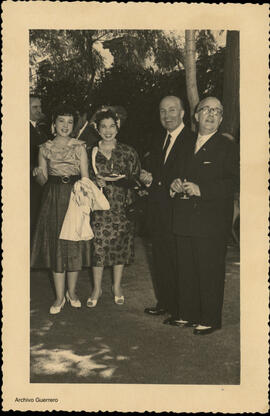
pixel 208 110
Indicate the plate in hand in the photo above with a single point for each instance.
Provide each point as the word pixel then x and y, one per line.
pixel 113 177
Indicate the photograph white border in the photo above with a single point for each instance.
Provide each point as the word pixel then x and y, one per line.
pixel 252 22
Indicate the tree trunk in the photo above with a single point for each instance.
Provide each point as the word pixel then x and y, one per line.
pixel 89 42
pixel 231 115
pixel 88 93
pixel 190 68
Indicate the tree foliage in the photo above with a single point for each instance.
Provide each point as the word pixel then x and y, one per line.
pixel 147 65
pixel 137 49
pixel 231 115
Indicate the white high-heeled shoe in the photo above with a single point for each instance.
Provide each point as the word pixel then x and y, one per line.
pixel 74 303
pixel 56 309
pixel 92 303
pixel 118 300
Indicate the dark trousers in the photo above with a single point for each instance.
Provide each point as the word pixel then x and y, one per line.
pixel 201 271
pixel 164 272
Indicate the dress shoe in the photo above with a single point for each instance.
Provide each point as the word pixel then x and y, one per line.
pixel 205 331
pixel 178 322
pixel 56 309
pixel 168 321
pixel 74 303
pixel 155 311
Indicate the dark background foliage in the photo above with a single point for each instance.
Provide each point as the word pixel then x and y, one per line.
pixel 73 71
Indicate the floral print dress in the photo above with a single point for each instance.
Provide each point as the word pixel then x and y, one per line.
pixel 113 243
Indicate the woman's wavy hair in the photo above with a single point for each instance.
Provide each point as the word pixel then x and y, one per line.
pixel 64 110
pixel 105 114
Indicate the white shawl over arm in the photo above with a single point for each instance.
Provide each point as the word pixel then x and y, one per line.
pixel 85 197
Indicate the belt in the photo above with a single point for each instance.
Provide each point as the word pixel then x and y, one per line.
pixel 63 179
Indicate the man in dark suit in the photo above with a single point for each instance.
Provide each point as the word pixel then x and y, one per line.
pixel 86 131
pixel 168 150
pixel 202 222
pixel 36 138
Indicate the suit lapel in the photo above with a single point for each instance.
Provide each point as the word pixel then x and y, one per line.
pixel 159 151
pixel 172 153
pixel 206 147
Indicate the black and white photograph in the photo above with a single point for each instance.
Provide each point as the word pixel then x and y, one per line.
pixel 134 257
pixel 119 110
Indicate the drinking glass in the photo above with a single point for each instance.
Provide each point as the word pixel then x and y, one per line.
pixel 185 195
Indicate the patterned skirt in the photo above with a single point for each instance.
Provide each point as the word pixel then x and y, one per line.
pixel 47 250
pixel 113 243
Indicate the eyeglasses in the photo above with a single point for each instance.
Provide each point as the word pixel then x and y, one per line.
pixel 207 110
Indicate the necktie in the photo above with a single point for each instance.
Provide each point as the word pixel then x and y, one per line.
pixel 164 151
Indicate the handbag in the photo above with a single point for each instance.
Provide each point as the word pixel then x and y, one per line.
pixel 137 209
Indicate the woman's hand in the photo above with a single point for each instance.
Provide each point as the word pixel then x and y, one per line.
pixel 100 181
pixel 37 171
pixel 40 177
pixel 41 172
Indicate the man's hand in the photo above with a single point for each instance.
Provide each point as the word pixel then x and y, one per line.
pixel 191 189
pixel 146 177
pixel 177 186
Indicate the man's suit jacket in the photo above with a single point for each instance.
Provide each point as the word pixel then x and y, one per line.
pixel 215 169
pixel 90 136
pixel 37 137
pixel 159 201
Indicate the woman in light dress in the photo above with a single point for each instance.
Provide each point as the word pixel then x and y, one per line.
pixel 62 162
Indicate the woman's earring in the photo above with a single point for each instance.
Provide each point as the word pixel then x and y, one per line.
pixel 53 129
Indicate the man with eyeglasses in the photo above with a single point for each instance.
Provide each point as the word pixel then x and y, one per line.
pixel 202 220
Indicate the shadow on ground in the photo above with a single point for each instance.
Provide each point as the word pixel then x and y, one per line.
pixel 120 344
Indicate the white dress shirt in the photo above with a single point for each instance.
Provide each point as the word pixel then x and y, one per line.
pixel 201 140
pixel 34 123
pixel 174 135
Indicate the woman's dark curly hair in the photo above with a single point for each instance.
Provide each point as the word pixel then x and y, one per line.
pixel 64 110
pixel 104 115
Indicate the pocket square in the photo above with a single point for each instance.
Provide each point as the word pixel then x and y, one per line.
pixel 206 162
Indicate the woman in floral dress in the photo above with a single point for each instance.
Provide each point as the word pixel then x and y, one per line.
pixel 114 167
pixel 62 162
